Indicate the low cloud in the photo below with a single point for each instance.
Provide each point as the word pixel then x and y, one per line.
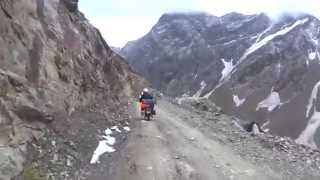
pixel 273 8
pixel 118 30
pixel 121 21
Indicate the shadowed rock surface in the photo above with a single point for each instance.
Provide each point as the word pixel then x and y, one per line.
pixel 60 85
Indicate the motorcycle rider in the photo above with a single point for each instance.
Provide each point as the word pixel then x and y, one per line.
pixel 146 98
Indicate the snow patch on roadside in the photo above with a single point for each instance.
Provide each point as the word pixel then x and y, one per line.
pixel 237 101
pixel 127 128
pixel 108 131
pixel 102 148
pixel 271 102
pixel 110 140
pixel 105 145
pixel 116 128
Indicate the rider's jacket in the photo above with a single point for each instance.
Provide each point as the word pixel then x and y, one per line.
pixel 145 95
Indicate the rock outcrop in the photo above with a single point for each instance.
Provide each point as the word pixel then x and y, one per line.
pixel 55 69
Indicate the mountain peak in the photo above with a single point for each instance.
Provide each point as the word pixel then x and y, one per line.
pixel 264 64
pixel 233 15
pixel 183 15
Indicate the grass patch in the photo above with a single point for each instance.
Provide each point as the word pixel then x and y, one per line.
pixel 34 172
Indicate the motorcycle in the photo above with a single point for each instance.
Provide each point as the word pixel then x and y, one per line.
pixel 148 113
pixel 147 110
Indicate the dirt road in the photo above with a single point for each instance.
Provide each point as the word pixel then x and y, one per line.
pixel 169 148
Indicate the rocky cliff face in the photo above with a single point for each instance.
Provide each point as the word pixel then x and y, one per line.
pixel 182 50
pixel 254 68
pixel 54 69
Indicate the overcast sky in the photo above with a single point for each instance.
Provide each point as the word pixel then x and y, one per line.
pixel 121 21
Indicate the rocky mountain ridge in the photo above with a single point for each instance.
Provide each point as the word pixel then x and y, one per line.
pixel 251 66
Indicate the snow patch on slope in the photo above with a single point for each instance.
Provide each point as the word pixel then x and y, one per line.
pixel 265 125
pixel 279 66
pixel 203 85
pixel 313 38
pixel 312 55
pixel 271 102
pixel 255 130
pixel 230 42
pixel 267 39
pixel 211 92
pixel 257 45
pixel 195 76
pixel 315 41
pixel 237 101
pixel 307 135
pixel 312 98
pixel 264 32
pixel 228 67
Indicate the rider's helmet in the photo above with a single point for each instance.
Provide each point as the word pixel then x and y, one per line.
pixel 145 90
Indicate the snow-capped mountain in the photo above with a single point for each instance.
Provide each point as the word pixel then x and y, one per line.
pixel 251 66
